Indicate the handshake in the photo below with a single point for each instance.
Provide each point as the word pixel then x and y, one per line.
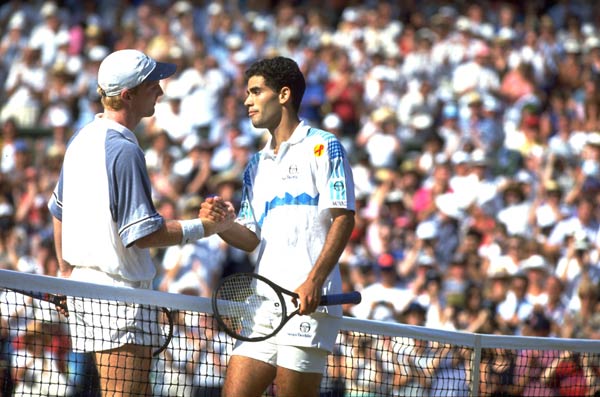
pixel 217 215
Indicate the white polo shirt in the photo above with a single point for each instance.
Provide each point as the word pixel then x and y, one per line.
pixel 286 201
pixel 103 198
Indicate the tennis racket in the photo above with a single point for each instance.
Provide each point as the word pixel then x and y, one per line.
pixel 252 308
pixel 165 317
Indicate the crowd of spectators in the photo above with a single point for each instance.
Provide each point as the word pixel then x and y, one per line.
pixel 472 128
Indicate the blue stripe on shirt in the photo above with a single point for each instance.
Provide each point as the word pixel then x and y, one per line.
pixel 288 199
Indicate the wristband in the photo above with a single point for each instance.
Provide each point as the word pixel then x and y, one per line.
pixel 191 230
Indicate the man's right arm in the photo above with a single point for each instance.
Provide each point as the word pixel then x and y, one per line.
pixel 241 237
pixel 174 232
pixel 236 235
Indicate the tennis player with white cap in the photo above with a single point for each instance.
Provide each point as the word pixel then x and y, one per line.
pixel 105 222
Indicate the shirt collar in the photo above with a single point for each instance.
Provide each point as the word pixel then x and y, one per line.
pixel 300 132
pixel 113 125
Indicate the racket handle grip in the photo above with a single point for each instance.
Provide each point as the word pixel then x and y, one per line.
pixel 340 299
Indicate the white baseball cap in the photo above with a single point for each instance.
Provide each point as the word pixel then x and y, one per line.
pixel 129 68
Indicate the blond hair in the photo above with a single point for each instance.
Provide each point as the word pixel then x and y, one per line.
pixel 114 102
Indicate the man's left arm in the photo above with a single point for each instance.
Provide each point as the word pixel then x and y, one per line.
pixel 311 289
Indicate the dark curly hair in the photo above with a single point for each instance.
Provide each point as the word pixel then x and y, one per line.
pixel 280 72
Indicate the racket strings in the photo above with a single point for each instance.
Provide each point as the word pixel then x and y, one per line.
pixel 248 307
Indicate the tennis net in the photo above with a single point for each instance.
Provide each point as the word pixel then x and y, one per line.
pixel 39 357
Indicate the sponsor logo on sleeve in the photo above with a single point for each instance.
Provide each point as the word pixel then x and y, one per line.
pixel 319 149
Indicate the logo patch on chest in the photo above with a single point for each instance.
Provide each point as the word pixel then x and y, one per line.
pixel 292 172
pixel 319 149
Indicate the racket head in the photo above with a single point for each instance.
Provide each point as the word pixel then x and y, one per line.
pixel 249 307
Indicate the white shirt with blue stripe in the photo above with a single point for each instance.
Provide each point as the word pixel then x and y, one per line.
pixel 286 201
pixel 103 198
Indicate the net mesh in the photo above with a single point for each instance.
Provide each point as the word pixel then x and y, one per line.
pixel 40 357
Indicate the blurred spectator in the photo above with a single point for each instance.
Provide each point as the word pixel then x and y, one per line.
pixel 536 270
pixel 343 94
pixel 515 308
pixel 35 367
pixel 380 140
pixel 571 375
pixel 583 219
pixel 448 219
pixel 23 88
pixel 531 364
pixel 437 184
pixel 438 312
pixel 556 307
pixel 584 323
pixel 498 369
pixel 473 315
pixel 47 35
pixel 384 299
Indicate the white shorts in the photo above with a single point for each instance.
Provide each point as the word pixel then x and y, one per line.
pixel 98 325
pixel 301 359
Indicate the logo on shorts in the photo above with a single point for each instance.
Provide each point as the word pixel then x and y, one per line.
pixel 318 149
pixel 304 327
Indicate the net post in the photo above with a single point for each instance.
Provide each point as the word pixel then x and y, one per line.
pixel 476 365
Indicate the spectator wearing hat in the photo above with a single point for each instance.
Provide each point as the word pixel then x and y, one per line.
pixel 386 298
pixel 473 315
pixel 419 99
pixel 449 219
pixel 10 133
pixel 421 252
pixel 409 182
pixel 205 83
pixel 584 323
pixel 547 210
pixel 47 34
pixel 515 308
pixel 583 218
pixel 512 252
pixel 343 94
pixel 438 183
pixel 418 362
pixel 515 210
pixel 431 153
pixel 181 16
pixel 498 368
pixel 572 374
pixel 536 270
pixel 380 140
pixel 576 262
pixel 85 85
pixel 556 307
pixel 482 186
pixel 570 68
pixel 194 166
pixel 12 42
pixel 23 87
pixel 432 298
pixel 475 72
pixel 332 123
pixel 449 130
pixel 517 83
pixel 531 364
pixel 589 168
pixel 316 72
pixel 168 115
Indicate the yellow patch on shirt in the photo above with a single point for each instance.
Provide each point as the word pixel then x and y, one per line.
pixel 319 149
